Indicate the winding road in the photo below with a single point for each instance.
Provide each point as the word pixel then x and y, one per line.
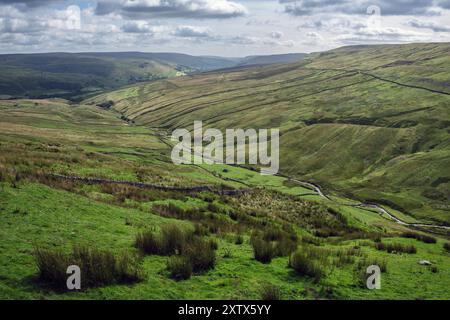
pixel 368 206
pixel 317 189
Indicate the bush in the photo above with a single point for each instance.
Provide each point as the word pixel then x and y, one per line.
pixel 239 239
pixel 98 268
pixel 270 292
pixel 263 251
pixel 396 248
pixel 419 237
pixel 305 265
pixel 180 268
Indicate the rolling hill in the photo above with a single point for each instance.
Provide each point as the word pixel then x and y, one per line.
pixel 272 59
pixel 45 142
pixel 77 75
pixel 368 122
pixel 82 181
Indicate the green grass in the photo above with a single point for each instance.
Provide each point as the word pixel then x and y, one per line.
pixel 340 127
pixel 59 219
pixel 350 161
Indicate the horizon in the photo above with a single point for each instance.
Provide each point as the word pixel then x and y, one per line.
pixel 219 56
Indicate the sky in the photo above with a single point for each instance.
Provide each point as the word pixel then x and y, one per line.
pixel 232 28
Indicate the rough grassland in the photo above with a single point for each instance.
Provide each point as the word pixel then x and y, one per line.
pixel 367 122
pixel 40 137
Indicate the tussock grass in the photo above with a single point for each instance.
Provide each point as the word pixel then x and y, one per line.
pixel 188 251
pixel 306 262
pixel 420 237
pixel 98 268
pixel 447 246
pixel 395 248
pixel 263 251
pixel 201 255
pixel 170 241
pixel 180 267
pixel 270 292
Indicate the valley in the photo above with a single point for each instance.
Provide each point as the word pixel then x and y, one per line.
pixel 341 127
pixel 364 151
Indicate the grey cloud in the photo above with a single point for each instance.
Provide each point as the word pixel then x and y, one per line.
pixel 136 27
pixel 428 25
pixel 28 4
pixel 276 34
pixel 387 35
pixel 333 24
pixel 444 4
pixel 139 9
pixel 388 7
pixel 192 32
pixel 13 25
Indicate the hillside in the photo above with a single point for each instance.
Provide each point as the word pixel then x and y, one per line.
pixel 369 122
pixel 71 75
pixel 272 59
pixel 77 75
pixel 40 139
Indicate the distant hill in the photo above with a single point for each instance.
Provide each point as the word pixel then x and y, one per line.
pixel 370 122
pixel 77 75
pixel 272 59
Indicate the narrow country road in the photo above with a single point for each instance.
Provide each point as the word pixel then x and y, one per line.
pixel 318 190
pixel 376 207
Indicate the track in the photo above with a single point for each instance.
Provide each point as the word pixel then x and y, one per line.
pixel 318 190
pixel 368 206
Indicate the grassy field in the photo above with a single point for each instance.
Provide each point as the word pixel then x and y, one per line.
pixel 43 137
pixel 369 122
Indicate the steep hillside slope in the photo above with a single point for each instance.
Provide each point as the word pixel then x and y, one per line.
pixel 371 121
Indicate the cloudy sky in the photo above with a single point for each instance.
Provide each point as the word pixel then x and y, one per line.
pixel 217 27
